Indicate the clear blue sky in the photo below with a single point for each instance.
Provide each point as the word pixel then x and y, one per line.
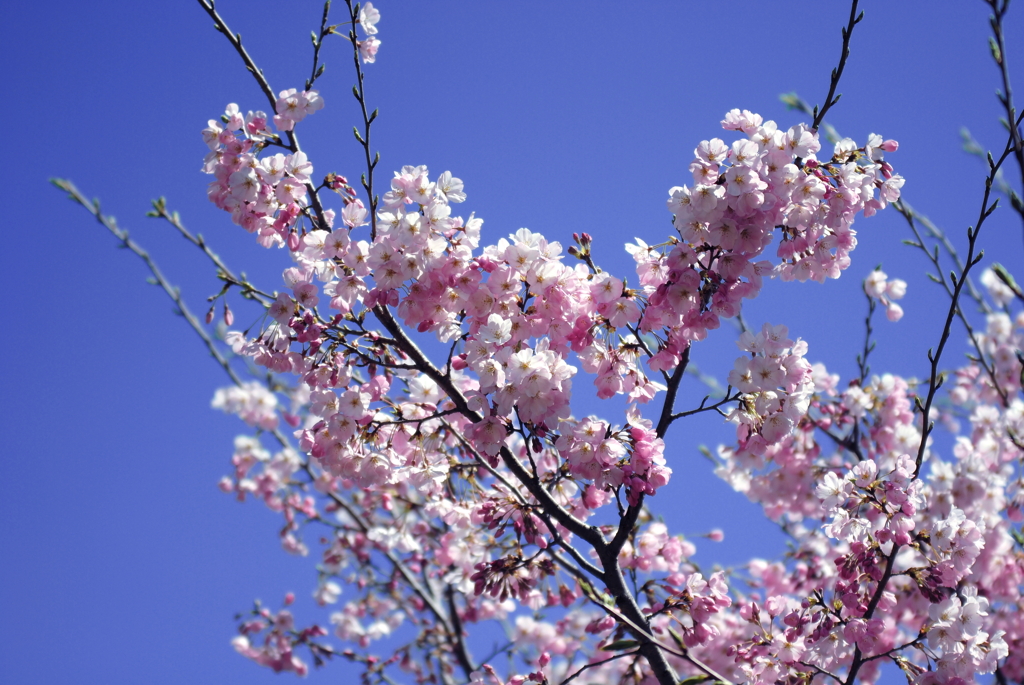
pixel 121 562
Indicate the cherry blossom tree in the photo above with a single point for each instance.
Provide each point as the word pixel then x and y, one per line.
pixel 410 396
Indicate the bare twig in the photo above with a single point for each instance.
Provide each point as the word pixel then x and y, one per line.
pixel 933 256
pixel 998 46
pixel 576 674
pixel 958 282
pixel 837 73
pixel 318 41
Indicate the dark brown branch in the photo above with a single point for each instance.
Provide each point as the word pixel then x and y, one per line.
pixel 999 9
pixel 594 664
pixel 933 257
pixel 837 73
pixel 958 280
pixel 359 90
pixel 858 659
pixel 318 42
pixel 461 653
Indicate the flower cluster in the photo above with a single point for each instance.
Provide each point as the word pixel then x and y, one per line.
pixel 632 457
pixel 368 46
pixel 251 402
pixel 267 195
pixel 425 374
pixel 869 506
pixel 898 543
pixel 776 382
pixel 280 640
pixel 473 475
pixel 514 313
pixel 741 193
pixel 878 287
pixel 954 629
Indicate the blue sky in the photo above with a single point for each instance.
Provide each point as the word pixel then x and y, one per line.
pixel 121 559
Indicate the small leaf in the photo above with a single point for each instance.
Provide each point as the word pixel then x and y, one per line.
pixel 620 645
pixel 997 54
pixel 1016 202
pixel 677 638
pixel 695 680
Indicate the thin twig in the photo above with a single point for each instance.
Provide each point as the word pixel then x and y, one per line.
pixel 293 141
pixel 958 281
pixel 359 90
pixel 640 632
pixel 998 45
pixel 837 73
pixel 318 41
pixel 858 659
pixel 595 664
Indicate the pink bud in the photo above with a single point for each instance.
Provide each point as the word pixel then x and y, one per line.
pixel 716 535
pixel 890 146
pixel 289 598
pixel 229 316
